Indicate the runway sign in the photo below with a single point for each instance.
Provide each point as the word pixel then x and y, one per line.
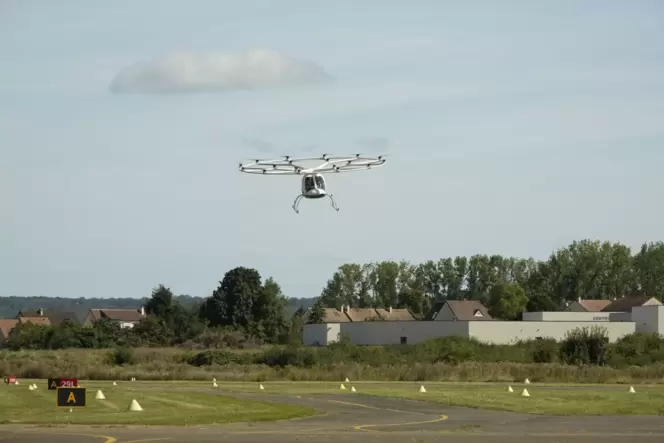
pixel 10 380
pixel 71 397
pixel 55 383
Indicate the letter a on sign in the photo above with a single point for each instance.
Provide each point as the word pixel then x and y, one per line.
pixel 71 397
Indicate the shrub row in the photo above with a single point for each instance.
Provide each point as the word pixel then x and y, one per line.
pixel 581 347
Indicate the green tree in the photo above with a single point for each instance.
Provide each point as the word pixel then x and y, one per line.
pixel 507 301
pixel 346 287
pixel 160 303
pixel 317 312
pixel 242 302
pixel 649 269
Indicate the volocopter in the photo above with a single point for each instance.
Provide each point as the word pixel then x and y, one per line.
pixel 313 184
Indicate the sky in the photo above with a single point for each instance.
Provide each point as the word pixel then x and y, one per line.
pixel 511 128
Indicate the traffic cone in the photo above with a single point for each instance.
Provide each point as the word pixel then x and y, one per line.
pixel 134 406
pixel 422 389
pixel 100 395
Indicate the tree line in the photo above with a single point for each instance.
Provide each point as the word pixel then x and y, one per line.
pixel 242 311
pixel 506 285
pixel 245 309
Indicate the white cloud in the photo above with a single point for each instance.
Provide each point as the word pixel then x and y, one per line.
pixel 216 72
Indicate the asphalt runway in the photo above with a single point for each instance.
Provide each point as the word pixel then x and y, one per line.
pixel 361 418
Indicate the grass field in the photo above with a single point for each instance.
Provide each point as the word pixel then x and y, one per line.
pixel 160 407
pixel 174 403
pixel 544 399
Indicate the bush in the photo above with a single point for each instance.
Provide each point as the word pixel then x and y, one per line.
pixel 638 349
pixel 585 346
pixel 213 357
pixel 290 356
pixel 123 356
pixel 545 351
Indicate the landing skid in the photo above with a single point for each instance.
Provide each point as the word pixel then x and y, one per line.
pixel 296 203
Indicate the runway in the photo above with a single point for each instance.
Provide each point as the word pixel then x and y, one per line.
pixel 363 418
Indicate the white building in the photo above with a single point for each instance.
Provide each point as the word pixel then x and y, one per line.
pixel 470 319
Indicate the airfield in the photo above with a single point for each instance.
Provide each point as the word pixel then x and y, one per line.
pixel 183 412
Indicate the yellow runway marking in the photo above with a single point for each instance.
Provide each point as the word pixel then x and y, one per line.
pixel 373 407
pixel 147 439
pixel 412 423
pixel 106 438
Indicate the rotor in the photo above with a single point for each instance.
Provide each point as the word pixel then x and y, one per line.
pixel 294 166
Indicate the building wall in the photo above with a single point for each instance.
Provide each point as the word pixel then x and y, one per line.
pixel 321 334
pixel 649 319
pixel 621 316
pixel 445 314
pixel 88 319
pixel 506 332
pixel 375 333
pixel 391 332
pixel 575 316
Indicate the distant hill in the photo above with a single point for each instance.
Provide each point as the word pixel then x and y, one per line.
pixel 10 306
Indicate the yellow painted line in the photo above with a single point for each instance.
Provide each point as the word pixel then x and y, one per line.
pixel 147 439
pixel 551 434
pixel 351 404
pixel 106 438
pixel 373 407
pixel 412 423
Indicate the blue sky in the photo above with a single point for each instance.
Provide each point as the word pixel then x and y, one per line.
pixel 512 127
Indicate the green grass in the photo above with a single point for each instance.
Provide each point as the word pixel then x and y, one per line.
pixel 173 403
pixel 19 405
pixel 554 399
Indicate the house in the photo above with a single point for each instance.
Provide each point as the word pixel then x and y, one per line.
pixel 587 305
pixel 127 318
pixel 347 314
pixel 626 304
pixel 458 310
pixel 41 321
pixel 6 325
pixel 54 318
pixel 390 314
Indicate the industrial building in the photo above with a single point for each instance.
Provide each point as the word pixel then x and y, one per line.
pixel 471 319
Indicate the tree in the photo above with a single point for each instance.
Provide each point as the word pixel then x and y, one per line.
pixel 346 287
pixel 649 269
pixel 242 302
pixel 507 301
pixel 317 314
pixel 160 303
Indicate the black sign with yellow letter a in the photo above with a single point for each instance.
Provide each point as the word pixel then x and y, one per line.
pixel 71 397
